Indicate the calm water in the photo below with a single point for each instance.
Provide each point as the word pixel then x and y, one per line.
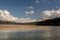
pixel 52 33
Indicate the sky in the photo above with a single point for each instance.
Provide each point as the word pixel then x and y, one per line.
pixel 29 8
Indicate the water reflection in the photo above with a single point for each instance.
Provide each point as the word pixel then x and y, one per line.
pixel 46 34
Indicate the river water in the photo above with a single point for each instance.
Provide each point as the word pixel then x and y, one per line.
pixel 52 33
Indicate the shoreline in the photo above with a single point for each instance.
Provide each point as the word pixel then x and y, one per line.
pixel 21 27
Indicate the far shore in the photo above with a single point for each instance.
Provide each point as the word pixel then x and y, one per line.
pixel 21 27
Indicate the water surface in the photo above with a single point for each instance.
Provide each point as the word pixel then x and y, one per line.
pixel 52 33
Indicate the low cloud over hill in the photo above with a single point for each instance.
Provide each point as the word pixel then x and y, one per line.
pixel 6 16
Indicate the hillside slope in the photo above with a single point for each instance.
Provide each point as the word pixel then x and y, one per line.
pixel 55 22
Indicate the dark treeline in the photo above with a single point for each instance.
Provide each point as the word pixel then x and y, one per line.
pixel 50 22
pixel 6 22
pixel 14 23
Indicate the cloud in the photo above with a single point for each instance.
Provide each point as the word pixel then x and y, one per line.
pixel 25 20
pixel 6 16
pixel 31 7
pixel 29 12
pixel 37 1
pixel 50 14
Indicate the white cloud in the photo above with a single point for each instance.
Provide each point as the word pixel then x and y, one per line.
pixel 37 1
pixel 31 7
pixel 25 20
pixel 6 16
pixel 29 12
pixel 50 14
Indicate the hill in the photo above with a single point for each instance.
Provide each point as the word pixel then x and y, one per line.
pixel 49 22
pixel 53 22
